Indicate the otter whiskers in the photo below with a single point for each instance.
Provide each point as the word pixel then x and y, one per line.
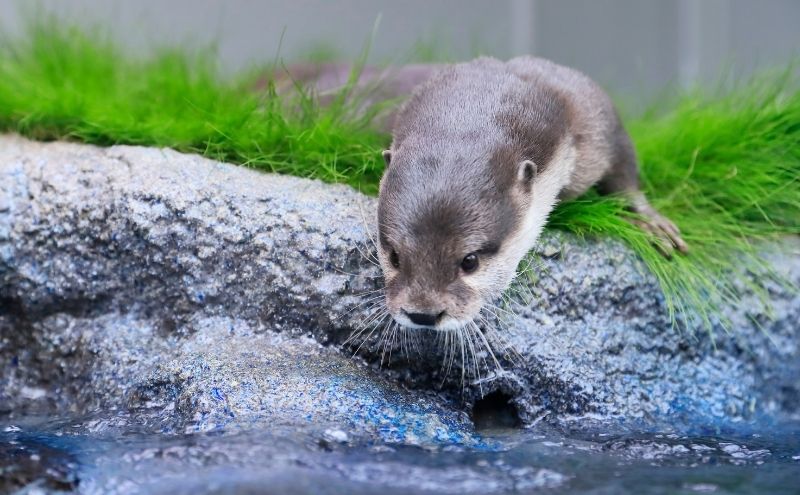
pixel 492 313
pixel 368 255
pixel 475 344
pixel 379 317
pixel 478 346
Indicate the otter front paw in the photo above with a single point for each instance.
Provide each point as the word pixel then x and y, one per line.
pixel 668 237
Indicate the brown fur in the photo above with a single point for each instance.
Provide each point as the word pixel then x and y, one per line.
pixel 481 152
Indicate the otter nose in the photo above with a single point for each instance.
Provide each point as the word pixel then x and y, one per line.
pixel 425 319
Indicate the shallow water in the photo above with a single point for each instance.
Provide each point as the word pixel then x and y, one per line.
pixel 108 455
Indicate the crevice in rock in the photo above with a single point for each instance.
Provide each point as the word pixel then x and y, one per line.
pixel 495 411
pixel 79 306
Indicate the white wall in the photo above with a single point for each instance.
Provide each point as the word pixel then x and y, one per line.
pixel 634 47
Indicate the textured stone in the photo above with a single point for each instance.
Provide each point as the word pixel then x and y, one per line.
pixel 199 295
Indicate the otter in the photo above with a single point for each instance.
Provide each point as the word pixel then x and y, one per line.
pixel 481 153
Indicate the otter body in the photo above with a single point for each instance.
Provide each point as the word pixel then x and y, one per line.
pixel 481 153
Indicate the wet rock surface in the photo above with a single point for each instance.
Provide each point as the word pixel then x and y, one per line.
pixel 26 463
pixel 90 458
pixel 594 341
pixel 197 296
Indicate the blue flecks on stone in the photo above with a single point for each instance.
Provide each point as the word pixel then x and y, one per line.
pixel 217 394
pixel 629 337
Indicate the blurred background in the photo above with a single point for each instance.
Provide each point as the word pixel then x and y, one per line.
pixel 635 48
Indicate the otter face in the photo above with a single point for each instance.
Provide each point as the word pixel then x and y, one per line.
pixel 448 236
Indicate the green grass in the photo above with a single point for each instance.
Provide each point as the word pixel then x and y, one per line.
pixel 725 168
pixel 61 83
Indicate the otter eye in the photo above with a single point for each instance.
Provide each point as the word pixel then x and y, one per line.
pixel 394 259
pixel 470 263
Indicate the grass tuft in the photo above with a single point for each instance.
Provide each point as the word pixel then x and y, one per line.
pixel 724 168
pixel 63 83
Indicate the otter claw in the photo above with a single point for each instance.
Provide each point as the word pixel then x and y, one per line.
pixel 667 234
pixel 668 237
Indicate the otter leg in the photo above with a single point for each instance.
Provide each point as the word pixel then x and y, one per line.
pixel 623 178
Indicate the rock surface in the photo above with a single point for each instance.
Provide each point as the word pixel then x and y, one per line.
pixel 200 295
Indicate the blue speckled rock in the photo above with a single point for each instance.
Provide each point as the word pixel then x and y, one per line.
pixel 222 378
pixel 126 287
pixel 154 282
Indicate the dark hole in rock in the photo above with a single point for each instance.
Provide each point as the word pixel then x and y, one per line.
pixel 495 411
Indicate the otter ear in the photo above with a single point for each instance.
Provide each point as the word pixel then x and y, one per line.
pixel 387 156
pixel 527 172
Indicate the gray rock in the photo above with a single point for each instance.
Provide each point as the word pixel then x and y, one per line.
pixel 227 376
pixel 199 295
pixel 596 342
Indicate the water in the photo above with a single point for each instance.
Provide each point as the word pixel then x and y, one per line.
pixel 112 455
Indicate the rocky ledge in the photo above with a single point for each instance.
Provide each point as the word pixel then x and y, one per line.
pixel 196 295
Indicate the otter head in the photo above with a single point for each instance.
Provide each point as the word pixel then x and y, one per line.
pixel 450 232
